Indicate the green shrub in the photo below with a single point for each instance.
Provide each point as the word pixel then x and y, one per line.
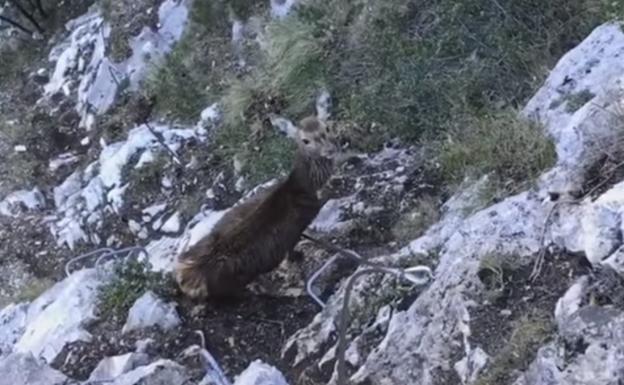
pixel 131 280
pixel 514 150
pixel 176 88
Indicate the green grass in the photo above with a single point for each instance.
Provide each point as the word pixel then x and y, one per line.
pixel 409 69
pixel 273 155
pixel 513 150
pixel 195 73
pixel 176 88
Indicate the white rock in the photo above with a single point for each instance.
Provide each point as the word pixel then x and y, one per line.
pixel 571 300
pixel 59 315
pixel 281 8
pixel 259 373
pixel 469 367
pixel 149 310
pixel 12 324
pixel 100 188
pixel 601 229
pixel 328 219
pixel 20 148
pixel 112 367
pixel 146 157
pixel 62 160
pixel 151 212
pixel 593 66
pixel 161 372
pixel 12 204
pixel 134 226
pixel 143 345
pixel 24 369
pixel 323 106
pixel 600 361
pixel 172 225
pixel 616 261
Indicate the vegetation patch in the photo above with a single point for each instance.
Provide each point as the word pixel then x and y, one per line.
pixel 409 68
pixel 131 280
pixel 528 334
pixel 514 316
pixel 514 151
pixel 573 101
pixel 127 18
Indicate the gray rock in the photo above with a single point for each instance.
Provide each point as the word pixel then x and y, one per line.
pixel 59 315
pixel 161 372
pixel 112 367
pixel 259 373
pixel 12 324
pixel 590 352
pixel 25 369
pixel 22 200
pixel 149 310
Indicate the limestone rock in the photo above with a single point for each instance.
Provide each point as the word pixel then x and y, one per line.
pixel 149 310
pixel 25 369
pixel 259 373
pixel 112 367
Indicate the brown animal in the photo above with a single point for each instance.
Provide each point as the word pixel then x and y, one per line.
pixel 254 237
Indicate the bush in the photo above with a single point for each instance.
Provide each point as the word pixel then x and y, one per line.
pixel 515 151
pixel 132 279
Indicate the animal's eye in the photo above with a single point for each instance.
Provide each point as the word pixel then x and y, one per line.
pixel 306 141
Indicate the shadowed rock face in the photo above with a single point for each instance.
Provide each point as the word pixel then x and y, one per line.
pixel 254 237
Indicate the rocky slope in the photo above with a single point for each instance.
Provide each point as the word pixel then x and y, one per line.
pixel 524 291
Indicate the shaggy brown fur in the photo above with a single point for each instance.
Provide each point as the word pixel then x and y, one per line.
pixel 254 237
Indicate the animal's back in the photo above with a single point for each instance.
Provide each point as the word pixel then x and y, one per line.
pixel 250 239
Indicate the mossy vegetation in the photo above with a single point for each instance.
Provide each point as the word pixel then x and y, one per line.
pixel 131 280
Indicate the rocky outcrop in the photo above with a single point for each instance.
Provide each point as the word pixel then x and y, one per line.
pixel 427 342
pixel 148 311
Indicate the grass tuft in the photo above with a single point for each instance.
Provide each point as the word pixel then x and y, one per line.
pixel 514 150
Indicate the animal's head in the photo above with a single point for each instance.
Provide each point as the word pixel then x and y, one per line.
pixel 316 138
pixel 190 279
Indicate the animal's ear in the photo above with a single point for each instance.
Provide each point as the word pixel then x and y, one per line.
pixel 285 126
